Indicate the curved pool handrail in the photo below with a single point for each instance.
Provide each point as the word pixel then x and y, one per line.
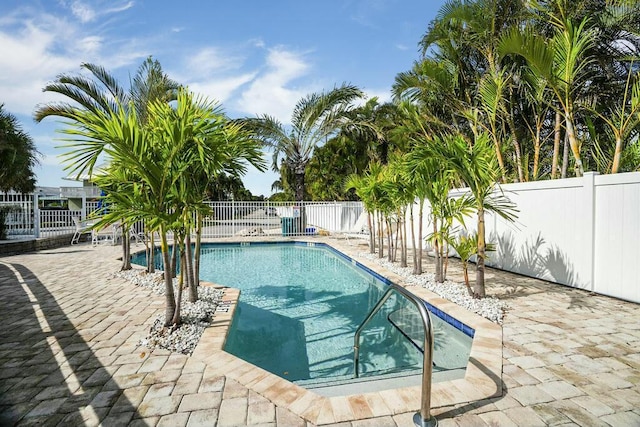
pixel 424 417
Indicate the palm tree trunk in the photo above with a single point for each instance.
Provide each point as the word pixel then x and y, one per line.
pixel 389 239
pixel 126 248
pixel 573 142
pixel 174 257
pixel 516 147
pixel 496 143
pixel 372 233
pixel 420 219
pixel 565 157
pixel 536 153
pixel 299 186
pixel 556 145
pixel 436 249
pixel 478 287
pixel 413 239
pixel 196 267
pixel 176 314
pixel 404 238
pixel 445 250
pixel 380 236
pixel 193 285
pixel 301 222
pixel 170 302
pixel 617 156
pixel 465 272
pixel 151 265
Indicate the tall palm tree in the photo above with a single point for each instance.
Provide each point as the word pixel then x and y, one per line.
pixel 102 93
pixel 563 61
pixel 463 37
pixel 476 166
pixel 315 119
pixel 623 121
pixel 179 146
pixel 372 189
pixel 18 155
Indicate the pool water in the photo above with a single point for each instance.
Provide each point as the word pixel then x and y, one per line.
pixel 299 308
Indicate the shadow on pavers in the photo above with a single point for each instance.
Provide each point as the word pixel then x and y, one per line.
pixel 48 373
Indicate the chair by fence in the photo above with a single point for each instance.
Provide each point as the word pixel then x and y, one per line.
pixel 81 228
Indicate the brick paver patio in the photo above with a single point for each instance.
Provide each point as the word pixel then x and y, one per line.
pixel 69 355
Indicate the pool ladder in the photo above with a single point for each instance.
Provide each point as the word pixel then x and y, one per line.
pixel 424 417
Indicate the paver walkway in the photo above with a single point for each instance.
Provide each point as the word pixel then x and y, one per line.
pixel 69 355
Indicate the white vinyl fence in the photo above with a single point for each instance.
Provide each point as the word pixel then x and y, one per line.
pixel 226 219
pixel 581 232
pixel 279 218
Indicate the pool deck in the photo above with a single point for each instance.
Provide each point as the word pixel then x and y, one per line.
pixel 69 355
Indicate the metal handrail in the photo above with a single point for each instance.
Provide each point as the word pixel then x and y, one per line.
pixel 424 417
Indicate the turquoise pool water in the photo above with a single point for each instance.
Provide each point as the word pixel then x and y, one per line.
pixel 299 308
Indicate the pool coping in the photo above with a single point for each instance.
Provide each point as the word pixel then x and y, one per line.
pixel 482 380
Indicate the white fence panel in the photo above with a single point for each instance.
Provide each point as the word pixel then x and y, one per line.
pixel 57 222
pixel 19 222
pixel 617 236
pixel 580 232
pixel 548 239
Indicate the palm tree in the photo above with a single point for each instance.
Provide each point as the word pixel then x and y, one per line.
pixel 18 155
pixel 315 119
pixel 179 146
pixel 466 246
pixel 623 120
pixel 462 40
pixel 101 93
pixel 475 164
pixel 428 178
pixel 118 133
pixel 563 61
pixel 433 180
pixel 371 188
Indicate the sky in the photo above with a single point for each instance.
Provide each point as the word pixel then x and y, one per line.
pixel 253 56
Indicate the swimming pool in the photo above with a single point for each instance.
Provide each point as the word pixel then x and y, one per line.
pixel 300 305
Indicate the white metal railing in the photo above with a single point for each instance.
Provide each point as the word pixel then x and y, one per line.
pixel 229 219
pixel 226 219
pixel 57 222
pixel 19 220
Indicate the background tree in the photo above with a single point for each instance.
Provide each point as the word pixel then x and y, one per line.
pixel 330 166
pixel 315 119
pixel 18 155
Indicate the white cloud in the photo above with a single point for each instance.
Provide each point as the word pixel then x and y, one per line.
pixel 121 8
pixel 28 60
pixel 271 91
pixel 85 13
pixel 212 59
pixel 35 47
pixel 221 89
pixel 384 95
pixel 90 44
pixel 259 43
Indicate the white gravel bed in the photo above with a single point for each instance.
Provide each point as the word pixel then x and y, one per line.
pixel 489 307
pixel 195 316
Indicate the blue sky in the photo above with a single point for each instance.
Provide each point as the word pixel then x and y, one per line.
pixel 253 56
